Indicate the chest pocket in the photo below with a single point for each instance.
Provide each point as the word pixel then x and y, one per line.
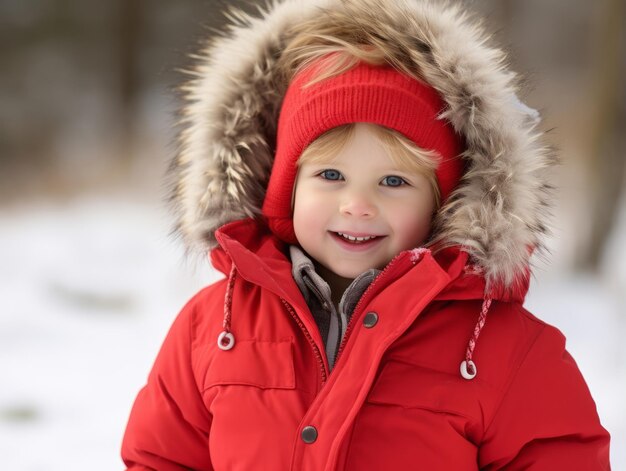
pixel 414 387
pixel 416 415
pixel 266 365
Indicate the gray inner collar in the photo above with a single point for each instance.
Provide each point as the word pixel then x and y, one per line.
pixel 332 321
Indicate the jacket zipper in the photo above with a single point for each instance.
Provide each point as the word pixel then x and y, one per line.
pixel 316 350
pixel 361 302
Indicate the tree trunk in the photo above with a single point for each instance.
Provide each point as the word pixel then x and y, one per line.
pixel 606 164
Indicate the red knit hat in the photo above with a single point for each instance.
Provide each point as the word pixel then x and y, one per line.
pixel 369 94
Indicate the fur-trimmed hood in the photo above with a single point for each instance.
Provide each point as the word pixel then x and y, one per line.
pixel 498 214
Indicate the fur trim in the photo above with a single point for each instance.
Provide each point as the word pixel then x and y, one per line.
pixel 499 212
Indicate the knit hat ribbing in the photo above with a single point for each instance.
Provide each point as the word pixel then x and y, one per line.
pixel 371 94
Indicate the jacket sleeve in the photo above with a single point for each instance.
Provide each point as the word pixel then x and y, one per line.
pixel 168 428
pixel 547 419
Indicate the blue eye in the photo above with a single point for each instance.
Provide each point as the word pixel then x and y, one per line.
pixel 331 175
pixel 393 181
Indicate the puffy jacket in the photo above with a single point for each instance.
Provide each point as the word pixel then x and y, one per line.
pixel 395 398
pixel 398 396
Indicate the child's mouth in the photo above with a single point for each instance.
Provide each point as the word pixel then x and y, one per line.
pixel 352 242
pixel 354 239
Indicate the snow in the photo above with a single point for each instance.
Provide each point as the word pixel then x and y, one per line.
pixel 89 287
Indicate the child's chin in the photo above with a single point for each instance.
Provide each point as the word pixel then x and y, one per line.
pixel 352 272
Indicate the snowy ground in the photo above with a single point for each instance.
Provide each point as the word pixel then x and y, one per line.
pixel 88 289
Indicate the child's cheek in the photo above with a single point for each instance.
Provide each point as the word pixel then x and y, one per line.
pixel 308 216
pixel 413 226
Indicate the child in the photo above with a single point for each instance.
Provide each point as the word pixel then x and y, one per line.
pixel 365 177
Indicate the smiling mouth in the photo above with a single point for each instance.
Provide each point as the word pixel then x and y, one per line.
pixel 356 239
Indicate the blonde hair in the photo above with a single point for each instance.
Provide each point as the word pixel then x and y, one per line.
pixel 403 152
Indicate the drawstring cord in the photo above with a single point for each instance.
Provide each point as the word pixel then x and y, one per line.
pixel 226 340
pixel 468 367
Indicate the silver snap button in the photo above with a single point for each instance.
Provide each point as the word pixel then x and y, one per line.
pixel 309 434
pixel 370 320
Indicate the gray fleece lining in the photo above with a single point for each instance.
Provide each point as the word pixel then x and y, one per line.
pixel 332 322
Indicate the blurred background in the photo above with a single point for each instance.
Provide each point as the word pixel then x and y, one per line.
pixel 90 280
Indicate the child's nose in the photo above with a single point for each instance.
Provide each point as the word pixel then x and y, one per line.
pixel 358 204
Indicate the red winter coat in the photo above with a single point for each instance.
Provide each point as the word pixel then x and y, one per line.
pixel 395 399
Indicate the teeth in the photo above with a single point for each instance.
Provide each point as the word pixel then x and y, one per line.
pixel 356 239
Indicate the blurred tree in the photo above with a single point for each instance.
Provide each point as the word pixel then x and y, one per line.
pixel 606 164
pixel 130 24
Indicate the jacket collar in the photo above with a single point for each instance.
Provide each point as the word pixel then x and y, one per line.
pixel 261 258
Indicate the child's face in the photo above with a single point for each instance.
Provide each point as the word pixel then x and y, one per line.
pixel 362 193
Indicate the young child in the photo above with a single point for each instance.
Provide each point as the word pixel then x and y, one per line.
pixel 365 177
